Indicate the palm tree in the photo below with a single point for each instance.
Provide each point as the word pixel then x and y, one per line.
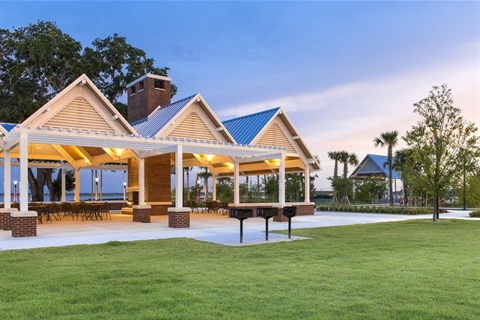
pixel 205 175
pixel 187 171
pixel 389 138
pixel 405 165
pixel 346 159
pixel 335 156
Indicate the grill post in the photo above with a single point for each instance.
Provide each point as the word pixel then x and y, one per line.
pixel 241 214
pixel 241 230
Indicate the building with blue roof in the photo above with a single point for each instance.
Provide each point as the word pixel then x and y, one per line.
pixel 373 165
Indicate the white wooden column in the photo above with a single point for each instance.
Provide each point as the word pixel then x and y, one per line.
pixel 236 182
pixel 214 187
pixel 179 174
pixel 281 181
pixel 23 172
pixel 141 181
pixel 77 185
pixel 64 188
pixel 307 184
pixel 7 177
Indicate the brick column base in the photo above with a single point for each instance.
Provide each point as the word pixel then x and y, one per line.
pixel 280 217
pixel 141 213
pixel 159 208
pixel 24 224
pixel 5 218
pixel 179 217
pixel 305 210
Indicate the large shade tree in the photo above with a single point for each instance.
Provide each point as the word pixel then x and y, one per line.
pixel 38 61
pixel 438 139
pixel 389 139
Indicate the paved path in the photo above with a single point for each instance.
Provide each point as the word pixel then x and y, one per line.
pixel 204 227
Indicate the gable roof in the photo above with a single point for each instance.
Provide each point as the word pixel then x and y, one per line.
pixel 42 115
pixel 156 123
pixel 160 117
pixel 244 129
pixel 7 127
pixel 374 164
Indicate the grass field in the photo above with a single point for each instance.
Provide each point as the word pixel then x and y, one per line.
pixel 397 270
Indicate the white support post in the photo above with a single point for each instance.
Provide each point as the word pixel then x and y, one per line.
pixel 141 181
pixel 77 185
pixel 281 181
pixel 214 187
pixel 179 176
pixel 64 189
pixel 307 184
pixel 7 177
pixel 236 184
pixel 23 172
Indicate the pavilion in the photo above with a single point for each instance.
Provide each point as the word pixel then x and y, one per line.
pixel 80 129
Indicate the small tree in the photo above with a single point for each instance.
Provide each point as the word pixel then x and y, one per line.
pixel 225 190
pixel 438 139
pixel 371 189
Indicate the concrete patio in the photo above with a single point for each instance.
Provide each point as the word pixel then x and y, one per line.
pixel 204 227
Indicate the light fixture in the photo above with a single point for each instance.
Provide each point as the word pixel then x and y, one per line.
pixel 209 157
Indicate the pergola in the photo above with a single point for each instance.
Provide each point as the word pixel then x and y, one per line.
pixel 80 128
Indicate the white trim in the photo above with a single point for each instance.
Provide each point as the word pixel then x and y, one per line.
pixel 21 214
pixel 148 75
pixel 141 206
pixel 175 209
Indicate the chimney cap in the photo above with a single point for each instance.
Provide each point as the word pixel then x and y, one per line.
pixel 148 75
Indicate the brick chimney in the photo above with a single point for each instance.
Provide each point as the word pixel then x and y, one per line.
pixel 145 94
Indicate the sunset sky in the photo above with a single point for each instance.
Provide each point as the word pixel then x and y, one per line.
pixel 344 72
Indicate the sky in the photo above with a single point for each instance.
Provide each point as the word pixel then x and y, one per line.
pixel 343 71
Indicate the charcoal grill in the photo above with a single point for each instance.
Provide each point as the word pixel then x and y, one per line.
pixel 267 213
pixel 289 212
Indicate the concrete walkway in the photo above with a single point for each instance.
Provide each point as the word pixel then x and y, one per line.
pixel 204 227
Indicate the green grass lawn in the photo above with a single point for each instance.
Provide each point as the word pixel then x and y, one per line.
pixel 399 270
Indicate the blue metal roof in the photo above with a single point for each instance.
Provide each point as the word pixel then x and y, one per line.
pixel 380 161
pixel 8 126
pixel 160 117
pixel 245 129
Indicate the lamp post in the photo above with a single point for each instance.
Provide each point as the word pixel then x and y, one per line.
pixel 15 190
pixel 96 188
pixel 124 191
pixel 198 188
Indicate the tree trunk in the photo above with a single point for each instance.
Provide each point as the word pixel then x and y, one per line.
pixel 205 188
pixel 390 180
pixel 188 183
pixel 50 185
pixel 435 207
pixel 37 183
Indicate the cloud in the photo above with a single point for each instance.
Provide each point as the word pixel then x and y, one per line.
pixel 349 116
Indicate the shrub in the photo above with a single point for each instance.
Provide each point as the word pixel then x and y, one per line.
pixel 475 214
